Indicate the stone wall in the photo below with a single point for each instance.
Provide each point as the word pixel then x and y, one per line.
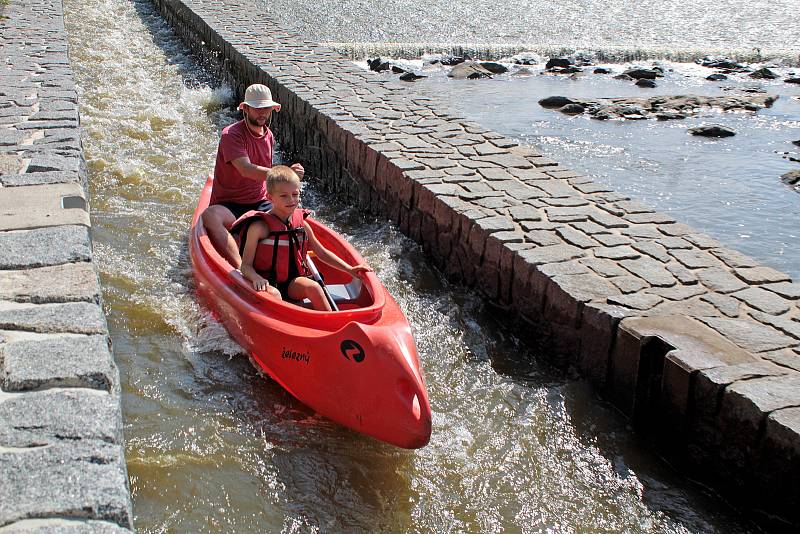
pixel 62 465
pixel 697 343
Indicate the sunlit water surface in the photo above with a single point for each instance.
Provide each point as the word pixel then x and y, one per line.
pixel 213 446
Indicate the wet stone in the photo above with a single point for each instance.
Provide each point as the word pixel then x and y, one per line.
pixel 750 335
pixel 763 300
pixel 761 275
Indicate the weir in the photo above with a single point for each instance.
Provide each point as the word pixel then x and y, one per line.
pixel 697 343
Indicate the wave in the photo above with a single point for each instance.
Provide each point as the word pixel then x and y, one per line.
pixel 606 54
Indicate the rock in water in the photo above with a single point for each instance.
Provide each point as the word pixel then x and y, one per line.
pixel 494 68
pixel 560 62
pixel 469 70
pixel 602 70
pixel 712 130
pixel 792 80
pixel 411 76
pixel 378 64
pixel 646 83
pixel 572 109
pixel 764 74
pixel 717 76
pixel 796 143
pixel 791 178
pixel 553 102
pixel 647 74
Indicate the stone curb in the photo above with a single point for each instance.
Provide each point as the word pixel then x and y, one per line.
pixel 62 465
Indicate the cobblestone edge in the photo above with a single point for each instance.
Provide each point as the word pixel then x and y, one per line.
pixel 62 464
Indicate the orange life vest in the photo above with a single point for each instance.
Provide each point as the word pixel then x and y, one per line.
pixel 285 245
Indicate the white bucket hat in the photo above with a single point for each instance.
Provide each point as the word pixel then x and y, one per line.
pixel 259 96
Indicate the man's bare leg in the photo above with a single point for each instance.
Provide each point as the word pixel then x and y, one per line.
pixel 217 219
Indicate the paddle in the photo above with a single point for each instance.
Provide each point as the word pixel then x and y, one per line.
pixel 318 278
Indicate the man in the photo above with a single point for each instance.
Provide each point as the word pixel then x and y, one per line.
pixel 244 161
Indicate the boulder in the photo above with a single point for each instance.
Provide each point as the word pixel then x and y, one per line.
pixel 527 58
pixel 452 61
pixel 572 109
pixel 712 130
pixel 411 76
pixel 721 63
pixel 555 102
pixel 398 69
pixel 796 143
pixel 669 115
pixel 717 76
pixel 791 178
pixel 602 70
pixel 561 62
pixel 644 82
pixel 469 70
pixel 792 80
pixel 378 64
pixel 494 68
pixel 763 74
pixel 647 74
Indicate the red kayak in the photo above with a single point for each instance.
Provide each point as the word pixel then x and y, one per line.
pixel 357 366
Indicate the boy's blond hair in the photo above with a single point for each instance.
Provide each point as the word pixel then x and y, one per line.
pixel 281 174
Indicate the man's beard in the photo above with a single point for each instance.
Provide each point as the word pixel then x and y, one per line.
pixel 255 123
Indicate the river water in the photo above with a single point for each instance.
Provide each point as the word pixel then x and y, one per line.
pixel 213 446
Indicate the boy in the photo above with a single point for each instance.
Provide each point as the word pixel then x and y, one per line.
pixel 283 258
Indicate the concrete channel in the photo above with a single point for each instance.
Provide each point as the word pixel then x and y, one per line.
pixel 697 343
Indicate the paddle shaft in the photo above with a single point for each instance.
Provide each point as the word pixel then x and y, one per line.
pixel 318 278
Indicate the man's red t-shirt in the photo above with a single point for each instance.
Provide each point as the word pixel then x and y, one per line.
pixel 229 185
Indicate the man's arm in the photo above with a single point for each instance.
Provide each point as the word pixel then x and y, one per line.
pixel 250 170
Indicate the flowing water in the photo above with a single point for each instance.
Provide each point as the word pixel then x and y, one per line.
pixel 213 446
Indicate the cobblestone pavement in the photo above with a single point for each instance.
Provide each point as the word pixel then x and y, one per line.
pixel 62 465
pixel 675 328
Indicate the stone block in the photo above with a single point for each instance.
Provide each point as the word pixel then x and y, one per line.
pixel 680 369
pixel 763 300
pixel 651 271
pixel 43 417
pixel 637 361
pixel 69 479
pixel 743 411
pixel 551 254
pixel 69 282
pixel 778 467
pixel 39 362
pixel 71 317
pixel 566 295
pixel 598 329
pixel 750 335
pixel 761 275
pixel 44 246
pixel 39 206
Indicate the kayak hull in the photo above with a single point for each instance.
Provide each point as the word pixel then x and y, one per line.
pixel 358 366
